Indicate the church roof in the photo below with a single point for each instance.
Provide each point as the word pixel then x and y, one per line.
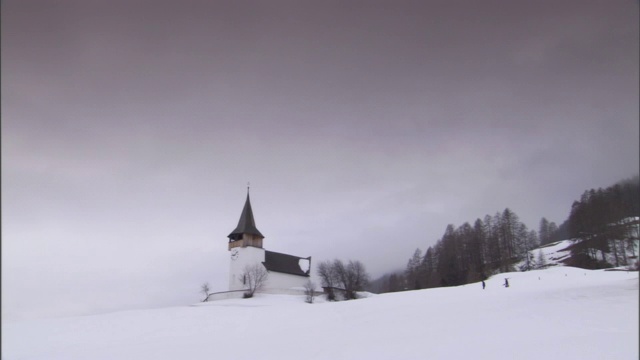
pixel 246 224
pixel 283 263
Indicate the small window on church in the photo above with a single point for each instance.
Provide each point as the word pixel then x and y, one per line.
pixel 244 279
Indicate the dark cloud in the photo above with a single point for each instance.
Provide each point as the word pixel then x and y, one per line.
pixel 129 130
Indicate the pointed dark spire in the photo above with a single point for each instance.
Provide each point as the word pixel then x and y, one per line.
pixel 246 224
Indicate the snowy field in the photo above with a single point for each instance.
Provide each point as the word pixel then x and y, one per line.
pixel 557 313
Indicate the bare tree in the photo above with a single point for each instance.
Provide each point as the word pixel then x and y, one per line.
pixel 358 276
pixel 351 277
pixel 341 276
pixel 310 291
pixel 254 278
pixel 329 278
pixel 204 289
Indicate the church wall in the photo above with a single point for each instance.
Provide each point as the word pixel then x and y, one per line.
pixel 284 281
pixel 247 256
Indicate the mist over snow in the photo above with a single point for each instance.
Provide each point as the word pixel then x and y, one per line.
pixel 557 313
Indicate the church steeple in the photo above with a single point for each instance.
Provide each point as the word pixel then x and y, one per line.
pixel 246 233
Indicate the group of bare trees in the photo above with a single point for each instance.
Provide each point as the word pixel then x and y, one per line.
pixel 347 278
pixel 339 279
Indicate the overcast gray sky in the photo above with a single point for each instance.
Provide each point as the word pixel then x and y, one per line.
pixel 131 128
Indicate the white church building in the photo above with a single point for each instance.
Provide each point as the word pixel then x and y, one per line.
pixel 287 274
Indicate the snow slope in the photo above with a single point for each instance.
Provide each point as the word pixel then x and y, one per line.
pixel 554 253
pixel 557 252
pixel 557 313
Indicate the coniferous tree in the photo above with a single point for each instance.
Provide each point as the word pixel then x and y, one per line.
pixel 429 268
pixel 531 241
pixel 465 251
pixel 509 232
pixel 449 266
pixel 544 231
pixel 493 253
pixel 541 261
pixel 553 230
pixel 412 272
pixel 396 282
pixel 478 245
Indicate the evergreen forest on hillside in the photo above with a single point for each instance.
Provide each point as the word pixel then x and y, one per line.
pixel 603 226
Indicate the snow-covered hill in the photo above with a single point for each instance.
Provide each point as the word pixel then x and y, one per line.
pixel 557 313
pixel 556 253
